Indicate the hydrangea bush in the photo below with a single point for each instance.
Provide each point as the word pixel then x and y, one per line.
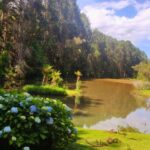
pixel 34 123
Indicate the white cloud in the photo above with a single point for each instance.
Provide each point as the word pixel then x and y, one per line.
pixel 140 6
pixel 138 119
pixel 114 5
pixel 103 16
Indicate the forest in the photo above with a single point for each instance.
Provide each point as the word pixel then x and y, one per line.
pixel 38 32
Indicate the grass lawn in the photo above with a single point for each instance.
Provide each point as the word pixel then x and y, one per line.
pixel 145 92
pixel 128 141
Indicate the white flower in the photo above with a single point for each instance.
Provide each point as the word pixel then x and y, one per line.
pixel 50 121
pixel 1 98
pixel 37 120
pixel 69 131
pixel 1 106
pixel 14 138
pixel 26 94
pixel 26 148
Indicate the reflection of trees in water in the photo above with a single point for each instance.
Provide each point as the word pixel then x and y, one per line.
pixel 98 112
pixel 78 89
pixel 77 101
pixel 104 100
pixel 148 104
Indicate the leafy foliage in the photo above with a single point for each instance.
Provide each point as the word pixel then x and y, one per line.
pixel 143 70
pixel 12 79
pixel 35 123
pixel 56 78
pixel 47 71
pixel 51 76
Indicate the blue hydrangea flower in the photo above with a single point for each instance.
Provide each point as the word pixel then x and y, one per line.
pixel 26 148
pixel 7 129
pixel 1 133
pixel 14 110
pixel 50 121
pixel 21 104
pixel 37 120
pixel 33 108
pixel 49 109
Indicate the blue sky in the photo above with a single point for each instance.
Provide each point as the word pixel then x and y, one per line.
pixel 121 19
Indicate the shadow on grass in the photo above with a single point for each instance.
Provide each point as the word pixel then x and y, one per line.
pixel 82 132
pixel 76 146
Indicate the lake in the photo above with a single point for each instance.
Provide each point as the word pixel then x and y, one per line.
pixel 107 104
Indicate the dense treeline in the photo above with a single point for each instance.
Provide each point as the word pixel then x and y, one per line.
pixel 116 58
pixel 38 32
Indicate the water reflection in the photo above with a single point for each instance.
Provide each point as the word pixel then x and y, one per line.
pixel 105 105
pixel 139 119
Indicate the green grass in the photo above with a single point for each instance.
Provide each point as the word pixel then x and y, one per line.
pixel 128 141
pixel 48 90
pixel 144 92
pixel 72 92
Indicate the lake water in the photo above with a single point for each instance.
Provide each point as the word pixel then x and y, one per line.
pixel 107 104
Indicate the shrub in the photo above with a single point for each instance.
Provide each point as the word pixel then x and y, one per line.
pixel 143 71
pixel 34 123
pixel 1 91
pixel 45 90
pixel 50 75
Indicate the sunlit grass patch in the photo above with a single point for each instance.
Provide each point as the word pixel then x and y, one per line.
pixel 87 140
pixel 144 92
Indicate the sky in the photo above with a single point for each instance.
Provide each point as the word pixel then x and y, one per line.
pixel 121 19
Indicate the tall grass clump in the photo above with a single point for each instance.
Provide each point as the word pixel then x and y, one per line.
pixel 45 90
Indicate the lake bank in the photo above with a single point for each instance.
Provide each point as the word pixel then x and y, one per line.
pixel 106 104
